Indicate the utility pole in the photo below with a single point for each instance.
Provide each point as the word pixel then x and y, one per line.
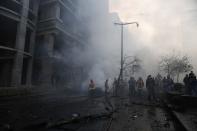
pixel 122 46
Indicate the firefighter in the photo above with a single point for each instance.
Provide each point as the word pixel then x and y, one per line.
pixel 140 85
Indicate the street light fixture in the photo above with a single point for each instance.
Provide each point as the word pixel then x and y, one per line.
pixel 122 31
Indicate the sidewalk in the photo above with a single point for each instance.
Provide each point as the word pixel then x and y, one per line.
pixel 21 111
pixel 188 119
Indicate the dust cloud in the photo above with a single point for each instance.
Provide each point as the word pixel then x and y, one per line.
pixel 165 27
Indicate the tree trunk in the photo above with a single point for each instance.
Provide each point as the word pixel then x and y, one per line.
pixel 177 78
pixel 168 70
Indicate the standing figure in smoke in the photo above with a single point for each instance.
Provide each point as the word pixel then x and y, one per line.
pixel 91 90
pixel 192 84
pixel 164 84
pixel 169 83
pixel 140 85
pixel 108 104
pixel 132 84
pixel 150 85
pixel 158 84
pixel 107 87
pixel 186 83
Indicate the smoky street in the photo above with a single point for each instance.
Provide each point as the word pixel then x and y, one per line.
pixel 28 112
pixel 98 65
pixel 82 113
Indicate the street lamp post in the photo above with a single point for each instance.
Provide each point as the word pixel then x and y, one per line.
pixel 122 49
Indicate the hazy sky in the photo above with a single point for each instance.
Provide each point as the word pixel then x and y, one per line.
pixel 165 26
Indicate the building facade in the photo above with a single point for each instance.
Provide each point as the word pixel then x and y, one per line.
pixel 37 41
pixel 18 20
pixel 58 33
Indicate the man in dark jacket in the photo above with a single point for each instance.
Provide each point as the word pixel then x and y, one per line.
pixel 132 84
pixel 192 84
pixel 186 83
pixel 169 83
pixel 150 85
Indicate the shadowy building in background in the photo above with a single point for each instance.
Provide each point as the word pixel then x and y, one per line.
pixel 18 22
pixel 41 41
pixel 33 34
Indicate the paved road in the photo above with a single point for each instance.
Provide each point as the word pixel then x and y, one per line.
pixel 21 112
pixel 141 115
pixel 32 113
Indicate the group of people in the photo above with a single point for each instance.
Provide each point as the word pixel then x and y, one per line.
pixel 190 82
pixel 153 85
pixel 92 88
pixel 133 84
pixel 168 84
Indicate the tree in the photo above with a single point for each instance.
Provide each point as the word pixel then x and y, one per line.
pixel 175 65
pixel 132 65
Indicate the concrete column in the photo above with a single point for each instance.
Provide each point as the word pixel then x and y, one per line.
pixel 20 44
pixel 47 67
pixel 30 62
pixel 57 11
pixel 32 46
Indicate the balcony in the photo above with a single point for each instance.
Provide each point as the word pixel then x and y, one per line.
pixel 32 13
pixel 11 9
pixel 55 25
pixel 32 16
pixel 13 5
pixel 68 4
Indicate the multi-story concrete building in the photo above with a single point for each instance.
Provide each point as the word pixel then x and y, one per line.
pixel 58 33
pixel 33 34
pixel 17 39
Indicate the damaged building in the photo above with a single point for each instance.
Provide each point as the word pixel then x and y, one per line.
pixel 37 41
pixel 58 33
pixel 18 20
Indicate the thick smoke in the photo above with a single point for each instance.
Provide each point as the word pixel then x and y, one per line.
pixel 103 49
pixel 166 26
